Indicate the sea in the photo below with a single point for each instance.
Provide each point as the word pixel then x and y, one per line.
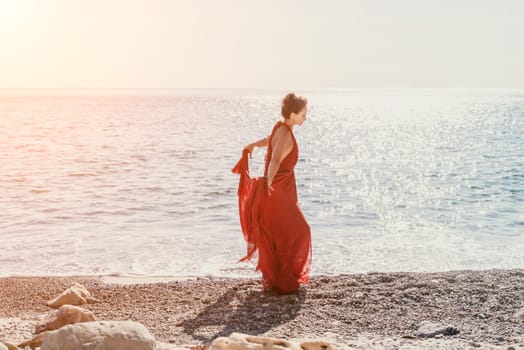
pixel 139 182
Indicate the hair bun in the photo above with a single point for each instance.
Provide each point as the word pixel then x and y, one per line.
pixel 292 103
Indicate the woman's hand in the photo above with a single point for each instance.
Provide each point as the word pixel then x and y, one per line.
pixel 249 148
pixel 269 188
pixel 260 143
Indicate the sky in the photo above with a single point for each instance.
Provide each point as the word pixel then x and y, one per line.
pixel 261 44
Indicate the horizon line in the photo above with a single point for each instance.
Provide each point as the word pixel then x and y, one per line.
pixel 265 88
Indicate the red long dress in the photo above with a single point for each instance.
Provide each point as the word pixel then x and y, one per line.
pixel 274 224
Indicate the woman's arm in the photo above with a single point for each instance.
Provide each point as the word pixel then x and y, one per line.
pixel 260 143
pixel 282 145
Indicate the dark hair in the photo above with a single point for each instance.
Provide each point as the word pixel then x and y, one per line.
pixel 292 104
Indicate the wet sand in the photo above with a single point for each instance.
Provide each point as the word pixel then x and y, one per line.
pixel 365 311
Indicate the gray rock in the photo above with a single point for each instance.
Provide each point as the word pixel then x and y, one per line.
pixel 102 335
pixel 519 315
pixel 428 329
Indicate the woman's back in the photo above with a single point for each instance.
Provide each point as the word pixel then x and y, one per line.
pixel 290 160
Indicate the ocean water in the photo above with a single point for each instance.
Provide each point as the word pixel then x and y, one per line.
pixel 138 182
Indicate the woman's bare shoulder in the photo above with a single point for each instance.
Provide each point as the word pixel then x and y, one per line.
pixel 282 133
pixel 282 138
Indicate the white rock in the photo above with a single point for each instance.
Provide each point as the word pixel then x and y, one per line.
pixel 238 341
pixel 166 346
pixel 36 342
pixel 8 346
pixel 66 314
pixel 2 346
pixel 77 294
pixel 101 335
pixel 321 345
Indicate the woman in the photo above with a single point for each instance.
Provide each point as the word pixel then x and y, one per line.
pixel 271 219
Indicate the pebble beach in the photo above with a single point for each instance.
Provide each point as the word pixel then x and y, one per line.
pixel 482 309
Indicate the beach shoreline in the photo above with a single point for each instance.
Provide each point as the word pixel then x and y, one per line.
pixel 378 309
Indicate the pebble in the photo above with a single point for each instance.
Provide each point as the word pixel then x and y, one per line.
pixel 351 305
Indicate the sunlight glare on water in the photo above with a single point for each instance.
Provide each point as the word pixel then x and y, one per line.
pixel 140 183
